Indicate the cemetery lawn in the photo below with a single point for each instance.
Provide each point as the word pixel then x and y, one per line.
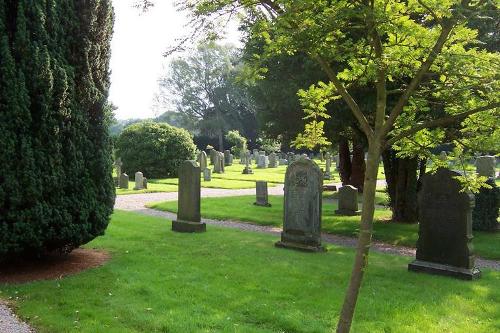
pixel 241 208
pixel 152 187
pixel 226 280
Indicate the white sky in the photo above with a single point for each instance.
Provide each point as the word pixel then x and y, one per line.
pixel 137 63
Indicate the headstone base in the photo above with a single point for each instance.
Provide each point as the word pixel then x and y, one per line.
pixel 186 226
pixel 247 171
pixel 446 270
pixel 262 204
pixel 345 212
pixel 300 247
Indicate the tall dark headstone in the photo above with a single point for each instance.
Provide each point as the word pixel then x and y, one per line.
pixel 262 196
pixel 188 212
pixel 302 207
pixel 445 228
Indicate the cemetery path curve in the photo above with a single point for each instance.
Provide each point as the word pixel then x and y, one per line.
pixel 137 203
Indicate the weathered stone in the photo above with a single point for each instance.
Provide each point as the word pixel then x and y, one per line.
pixel 485 166
pixel 348 201
pixel 145 183
pixel 227 158
pixel 302 207
pixel 218 162
pixel 188 212
pixel 213 154
pixel 118 165
pixel 328 174
pixel 202 160
pixel 273 160
pixel 261 194
pixel 207 174
pixel 222 163
pixel 248 169
pixel 444 243
pixel 139 181
pixel 443 156
pixel 262 161
pixel 124 179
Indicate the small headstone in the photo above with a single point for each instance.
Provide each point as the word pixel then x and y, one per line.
pixel 485 166
pixel 443 156
pixel 328 174
pixel 124 179
pixel 207 174
pixel 348 201
pixel 202 160
pixel 262 161
pixel 261 194
pixel 302 207
pixel 222 162
pixel 218 163
pixel 213 154
pixel 444 243
pixel 248 169
pixel 139 181
pixel 145 183
pixel 188 212
pixel 273 160
pixel 227 158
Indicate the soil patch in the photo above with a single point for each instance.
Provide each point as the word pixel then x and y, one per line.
pixel 53 266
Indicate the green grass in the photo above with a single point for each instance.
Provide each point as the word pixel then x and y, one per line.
pixel 153 186
pixel 215 183
pixel 231 281
pixel 241 208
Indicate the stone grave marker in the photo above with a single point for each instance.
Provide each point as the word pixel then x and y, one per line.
pixel 118 165
pixel 139 181
pixel 247 170
pixel 124 179
pixel 273 160
pixel 145 183
pixel 302 207
pixel 485 166
pixel 202 160
pixel 328 165
pixel 227 158
pixel 207 175
pixel 444 243
pixel 188 212
pixel 261 194
pixel 213 154
pixel 348 201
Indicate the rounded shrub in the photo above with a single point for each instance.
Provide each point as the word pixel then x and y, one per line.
pixel 155 149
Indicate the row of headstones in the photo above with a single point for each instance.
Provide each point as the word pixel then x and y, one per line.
pixel 444 245
pixel 122 179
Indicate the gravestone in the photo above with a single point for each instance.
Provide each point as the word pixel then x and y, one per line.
pixel 188 211
pixel 227 158
pixel 145 183
pixel 302 207
pixel 261 194
pixel 248 169
pixel 273 160
pixel 202 160
pixel 221 161
pixel 283 161
pixel 444 243
pixel 118 165
pixel 213 154
pixel 218 163
pixel 348 201
pixel 139 181
pixel 124 179
pixel 443 156
pixel 261 164
pixel 328 174
pixel 485 166
pixel 207 174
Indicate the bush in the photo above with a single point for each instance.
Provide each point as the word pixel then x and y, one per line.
pixel 155 149
pixel 485 213
pixel 237 141
pixel 56 189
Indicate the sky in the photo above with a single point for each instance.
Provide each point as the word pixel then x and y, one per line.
pixel 137 48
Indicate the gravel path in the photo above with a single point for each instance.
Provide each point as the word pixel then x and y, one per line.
pixel 9 323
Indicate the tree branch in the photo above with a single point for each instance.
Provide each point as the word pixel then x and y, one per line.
pixel 363 122
pixel 445 121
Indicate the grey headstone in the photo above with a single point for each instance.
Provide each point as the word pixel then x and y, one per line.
pixel 219 162
pixel 302 207
pixel 227 158
pixel 207 174
pixel 202 160
pixel 124 179
pixel 485 166
pixel 348 201
pixel 213 154
pixel 188 212
pixel 145 183
pixel 444 243
pixel 443 156
pixel 261 194
pixel 118 165
pixel 328 167
pixel 273 160
pixel 139 181
pixel 248 169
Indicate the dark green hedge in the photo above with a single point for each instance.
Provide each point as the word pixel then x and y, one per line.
pixel 155 149
pixel 485 212
pixel 56 190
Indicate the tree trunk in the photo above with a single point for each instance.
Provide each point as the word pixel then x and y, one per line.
pixel 345 165
pixel 358 166
pixel 364 239
pixel 401 178
pixel 221 141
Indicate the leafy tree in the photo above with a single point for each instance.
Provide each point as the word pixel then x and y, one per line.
pixel 238 142
pixel 155 149
pixel 56 190
pixel 408 50
pixel 203 88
